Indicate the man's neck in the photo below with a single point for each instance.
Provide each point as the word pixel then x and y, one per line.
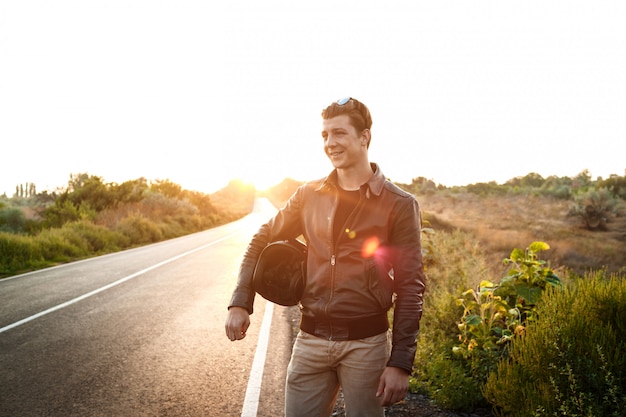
pixel 352 178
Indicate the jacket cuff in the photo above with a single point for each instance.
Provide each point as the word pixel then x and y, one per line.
pixel 402 360
pixel 243 299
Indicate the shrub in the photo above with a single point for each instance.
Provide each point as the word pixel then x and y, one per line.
pixel 449 383
pixel 455 261
pixel 18 253
pixel 140 230
pixel 484 189
pixel 572 360
pixel 615 184
pixel 98 239
pixel 451 367
pixel 92 217
pixel 12 220
pixel 61 245
pixel 495 313
pixel 595 207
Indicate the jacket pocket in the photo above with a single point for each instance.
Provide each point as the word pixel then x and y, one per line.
pixel 380 284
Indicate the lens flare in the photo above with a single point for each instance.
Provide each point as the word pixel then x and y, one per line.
pixel 370 246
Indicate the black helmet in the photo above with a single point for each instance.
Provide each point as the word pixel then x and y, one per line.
pixel 280 272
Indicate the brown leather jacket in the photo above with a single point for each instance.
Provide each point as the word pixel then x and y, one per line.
pixel 376 263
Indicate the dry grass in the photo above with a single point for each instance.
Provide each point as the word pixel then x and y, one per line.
pixel 501 223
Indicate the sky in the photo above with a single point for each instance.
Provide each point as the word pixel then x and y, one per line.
pixel 202 92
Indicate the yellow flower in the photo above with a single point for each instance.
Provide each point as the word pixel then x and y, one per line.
pixel 472 344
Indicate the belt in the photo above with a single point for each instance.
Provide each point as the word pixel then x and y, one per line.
pixel 346 329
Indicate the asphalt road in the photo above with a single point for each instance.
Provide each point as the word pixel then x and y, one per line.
pixel 139 333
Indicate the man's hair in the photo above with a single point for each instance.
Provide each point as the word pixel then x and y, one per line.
pixel 358 113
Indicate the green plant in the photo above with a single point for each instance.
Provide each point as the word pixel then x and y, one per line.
pixel 615 184
pixel 12 220
pixel 18 253
pixel 527 278
pixel 140 230
pixel 572 359
pixel 494 313
pixel 487 325
pixel 575 401
pixel 428 252
pixel 450 385
pixel 455 261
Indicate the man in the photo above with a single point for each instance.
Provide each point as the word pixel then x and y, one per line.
pixel 364 256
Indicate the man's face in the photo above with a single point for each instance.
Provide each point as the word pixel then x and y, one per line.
pixel 344 146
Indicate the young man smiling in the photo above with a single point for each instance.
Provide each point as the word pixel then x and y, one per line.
pixel 364 256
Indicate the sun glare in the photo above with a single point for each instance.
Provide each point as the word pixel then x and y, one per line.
pixel 262 182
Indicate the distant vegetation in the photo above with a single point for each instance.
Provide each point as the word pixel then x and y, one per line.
pixel 594 201
pixel 90 217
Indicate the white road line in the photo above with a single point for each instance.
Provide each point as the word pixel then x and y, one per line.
pixel 253 391
pixel 106 287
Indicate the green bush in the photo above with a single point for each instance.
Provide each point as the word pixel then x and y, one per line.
pixel 449 383
pixel 455 261
pixel 12 220
pixel 595 207
pixel 494 313
pixel 61 245
pixel 98 239
pixel 572 359
pixel 463 339
pixel 140 230
pixel 92 217
pixel 18 253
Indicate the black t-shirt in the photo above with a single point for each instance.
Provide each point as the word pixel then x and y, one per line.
pixel 347 203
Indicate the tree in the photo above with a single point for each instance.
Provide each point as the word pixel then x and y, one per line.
pixel 615 184
pixel 582 180
pixel 167 188
pixel 532 180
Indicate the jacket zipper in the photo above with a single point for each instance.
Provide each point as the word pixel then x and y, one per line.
pixel 334 242
pixel 333 257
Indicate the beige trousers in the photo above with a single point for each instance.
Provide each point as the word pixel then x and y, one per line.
pixel 318 367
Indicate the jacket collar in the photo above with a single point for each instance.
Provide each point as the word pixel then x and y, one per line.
pixel 374 185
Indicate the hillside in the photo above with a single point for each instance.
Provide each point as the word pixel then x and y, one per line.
pixel 502 222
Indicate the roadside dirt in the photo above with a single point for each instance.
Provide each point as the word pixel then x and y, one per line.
pixel 415 405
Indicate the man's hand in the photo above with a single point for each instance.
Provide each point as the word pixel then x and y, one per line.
pixel 393 385
pixel 237 323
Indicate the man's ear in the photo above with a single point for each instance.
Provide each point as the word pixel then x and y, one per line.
pixel 366 135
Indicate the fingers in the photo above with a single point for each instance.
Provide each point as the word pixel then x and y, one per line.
pixel 235 331
pixel 381 387
pixel 392 387
pixel 390 397
pixel 234 335
pixel 237 323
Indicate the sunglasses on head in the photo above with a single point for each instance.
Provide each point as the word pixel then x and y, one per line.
pixel 343 101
